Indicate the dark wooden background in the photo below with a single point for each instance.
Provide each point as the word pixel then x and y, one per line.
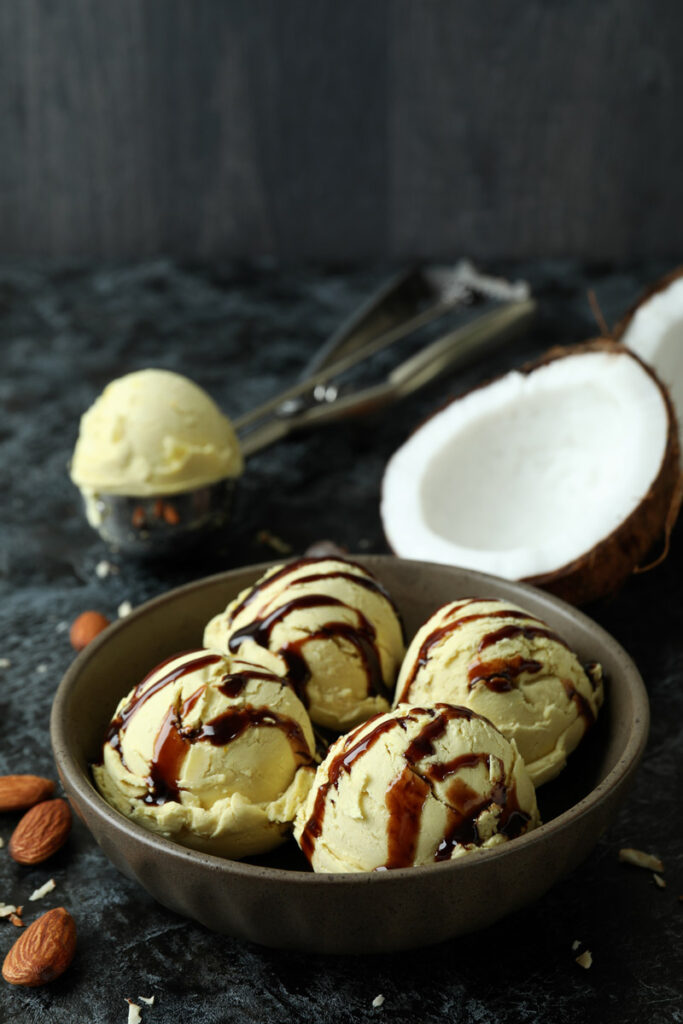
pixel 330 130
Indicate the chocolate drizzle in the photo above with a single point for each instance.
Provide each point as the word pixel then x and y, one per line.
pixel 499 674
pixel 362 636
pixel 441 632
pixel 409 791
pixel 528 632
pixel 405 799
pixel 366 580
pixel 140 695
pixel 341 762
pixel 466 804
pixel 170 749
pixel 233 683
pixel 174 740
pixel 582 705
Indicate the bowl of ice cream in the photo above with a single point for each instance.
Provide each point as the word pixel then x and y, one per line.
pixel 274 897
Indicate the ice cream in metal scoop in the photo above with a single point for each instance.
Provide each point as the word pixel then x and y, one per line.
pixel 156 460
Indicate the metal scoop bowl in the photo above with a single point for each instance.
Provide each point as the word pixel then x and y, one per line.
pixel 162 525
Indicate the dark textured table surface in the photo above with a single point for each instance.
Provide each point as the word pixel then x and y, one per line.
pixel 243 333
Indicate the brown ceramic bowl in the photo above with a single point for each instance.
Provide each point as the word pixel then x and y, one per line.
pixel 275 900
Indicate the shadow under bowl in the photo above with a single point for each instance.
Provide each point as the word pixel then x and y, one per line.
pixel 275 900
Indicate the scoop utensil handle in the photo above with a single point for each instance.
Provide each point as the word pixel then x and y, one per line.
pixel 453 348
pixel 409 301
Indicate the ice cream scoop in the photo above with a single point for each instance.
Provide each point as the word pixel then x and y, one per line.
pixel 154 456
pixel 335 626
pixel 154 432
pixel 508 665
pixel 415 786
pixel 214 752
pixel 156 460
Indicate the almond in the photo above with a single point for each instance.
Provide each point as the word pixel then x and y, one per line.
pixel 43 951
pixel 41 832
pixel 86 627
pixel 171 515
pixel 18 792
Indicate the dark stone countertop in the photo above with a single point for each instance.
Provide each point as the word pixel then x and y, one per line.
pixel 243 333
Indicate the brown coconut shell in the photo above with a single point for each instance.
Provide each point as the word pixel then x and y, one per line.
pixel 657 286
pixel 607 565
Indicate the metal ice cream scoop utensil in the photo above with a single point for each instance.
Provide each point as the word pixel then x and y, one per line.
pixel 160 525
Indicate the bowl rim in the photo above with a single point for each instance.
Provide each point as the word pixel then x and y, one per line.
pixel 74 778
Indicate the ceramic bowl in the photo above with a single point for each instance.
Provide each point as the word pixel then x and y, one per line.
pixel 275 900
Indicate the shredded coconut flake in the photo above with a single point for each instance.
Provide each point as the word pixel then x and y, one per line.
pixel 639 859
pixel 585 960
pixel 659 881
pixel 575 945
pixel 378 1000
pixel 42 668
pixel 147 999
pixel 125 608
pixel 104 569
pixel 133 1012
pixel 5 663
pixel 6 909
pixel 38 894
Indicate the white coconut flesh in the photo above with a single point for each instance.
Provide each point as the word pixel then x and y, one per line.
pixel 530 472
pixel 655 333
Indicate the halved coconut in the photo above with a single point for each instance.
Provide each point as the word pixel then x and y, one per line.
pixel 563 474
pixel 653 329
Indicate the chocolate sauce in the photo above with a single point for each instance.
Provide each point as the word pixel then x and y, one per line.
pixel 405 799
pixel 231 724
pixel 439 634
pixel 362 637
pixel 174 741
pixel 140 695
pixel 423 744
pixel 583 707
pixel 406 796
pixel 499 674
pixel 258 588
pixel 466 805
pixel 528 632
pixel 367 580
pixel 170 749
pixel 441 771
pixel 341 762
pixel 233 683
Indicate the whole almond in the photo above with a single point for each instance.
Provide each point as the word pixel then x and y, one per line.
pixel 43 951
pixel 86 627
pixel 17 792
pixel 41 832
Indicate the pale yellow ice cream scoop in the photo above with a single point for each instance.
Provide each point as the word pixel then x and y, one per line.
pixel 213 752
pixel 336 628
pixel 153 432
pixel 415 786
pixel 509 666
